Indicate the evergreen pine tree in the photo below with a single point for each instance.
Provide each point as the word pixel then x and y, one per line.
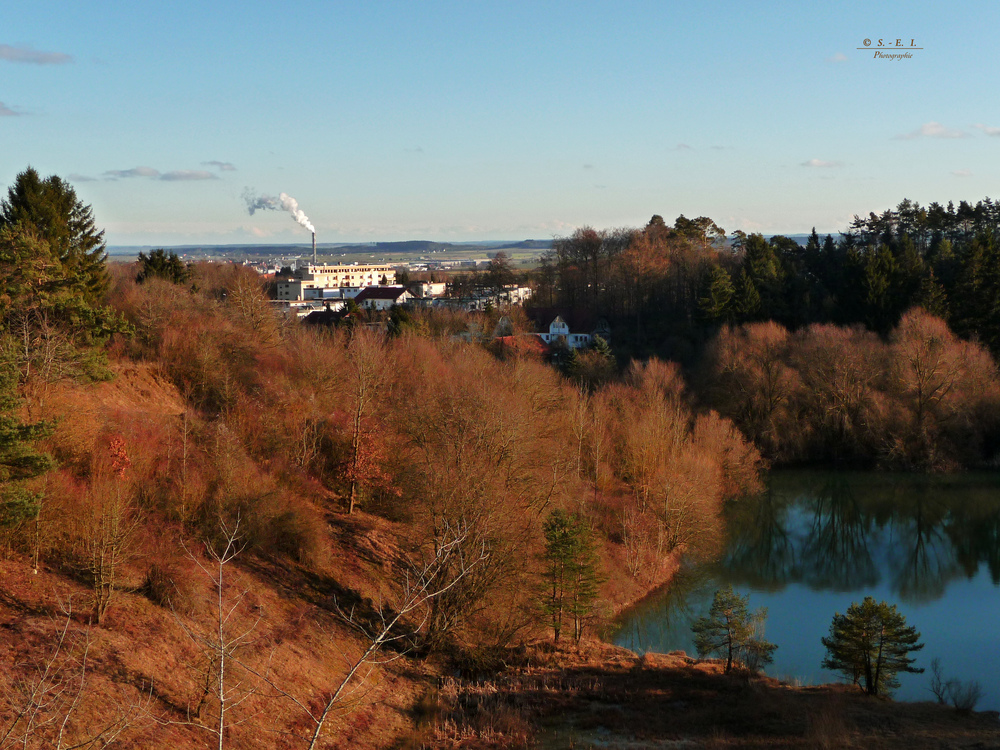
pixel 733 632
pixel 715 303
pixel 881 306
pixel 746 303
pixel 19 459
pixel 812 244
pixel 50 209
pixel 570 362
pixel 570 572
pixel 601 346
pixel 932 296
pixel 871 644
pixel 162 265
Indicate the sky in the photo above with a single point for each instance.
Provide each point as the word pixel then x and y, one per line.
pixel 473 120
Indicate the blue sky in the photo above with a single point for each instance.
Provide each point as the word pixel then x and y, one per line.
pixel 474 120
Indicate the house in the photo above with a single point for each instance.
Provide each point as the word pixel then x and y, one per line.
pixel 560 334
pixel 426 289
pixel 382 297
pixel 303 308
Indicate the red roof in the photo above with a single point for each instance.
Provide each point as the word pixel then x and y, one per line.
pixel 528 343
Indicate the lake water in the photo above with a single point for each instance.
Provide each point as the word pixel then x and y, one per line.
pixel 818 541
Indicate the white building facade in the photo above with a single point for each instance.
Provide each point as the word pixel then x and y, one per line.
pixel 315 282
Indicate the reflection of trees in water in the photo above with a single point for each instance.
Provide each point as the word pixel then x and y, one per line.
pixel 921 557
pixel 835 553
pixel 842 531
pixel 836 532
pixel 661 621
pixel 975 537
pixel 761 551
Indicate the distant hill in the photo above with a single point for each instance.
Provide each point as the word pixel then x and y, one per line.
pixel 406 247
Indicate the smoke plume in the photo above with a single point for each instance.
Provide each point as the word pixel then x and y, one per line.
pixel 283 202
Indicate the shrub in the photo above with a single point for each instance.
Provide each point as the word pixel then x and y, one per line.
pixel 168 586
pixel 965 695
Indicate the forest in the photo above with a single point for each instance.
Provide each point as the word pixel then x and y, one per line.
pixel 672 286
pixel 216 522
pixel 873 350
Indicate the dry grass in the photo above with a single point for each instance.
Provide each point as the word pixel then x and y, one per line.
pixel 600 696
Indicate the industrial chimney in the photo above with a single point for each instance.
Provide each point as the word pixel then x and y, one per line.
pixel 314 248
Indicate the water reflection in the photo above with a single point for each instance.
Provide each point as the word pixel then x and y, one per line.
pixel 815 542
pixel 835 552
pixel 844 532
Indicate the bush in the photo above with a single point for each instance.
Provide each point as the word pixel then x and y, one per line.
pixel 168 586
pixel 965 695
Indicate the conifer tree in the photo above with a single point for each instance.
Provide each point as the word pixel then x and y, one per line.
pixel 932 296
pixel 746 303
pixel 871 644
pixel 717 296
pixel 570 572
pixel 732 631
pixel 51 211
pixel 19 459
pixel 162 265
pixel 601 346
pixel 570 362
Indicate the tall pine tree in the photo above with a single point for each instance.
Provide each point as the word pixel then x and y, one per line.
pixel 50 209
pixel 570 572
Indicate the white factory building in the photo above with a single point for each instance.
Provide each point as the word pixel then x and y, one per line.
pixel 333 281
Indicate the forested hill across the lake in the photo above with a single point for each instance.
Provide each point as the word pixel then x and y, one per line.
pixel 667 288
pixel 871 349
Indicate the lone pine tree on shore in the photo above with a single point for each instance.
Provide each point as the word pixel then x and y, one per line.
pixel 733 632
pixel 871 644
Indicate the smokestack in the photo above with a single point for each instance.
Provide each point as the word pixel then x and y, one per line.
pixel 314 248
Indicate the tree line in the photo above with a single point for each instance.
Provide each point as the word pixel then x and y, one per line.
pixel 668 288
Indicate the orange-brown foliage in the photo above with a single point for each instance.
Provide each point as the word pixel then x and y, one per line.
pixel 922 399
pixel 224 413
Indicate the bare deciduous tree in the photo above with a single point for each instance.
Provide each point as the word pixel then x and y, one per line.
pixel 47 696
pixel 394 626
pixel 367 373
pixel 110 529
pixel 226 682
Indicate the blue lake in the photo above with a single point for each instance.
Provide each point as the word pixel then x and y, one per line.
pixel 817 541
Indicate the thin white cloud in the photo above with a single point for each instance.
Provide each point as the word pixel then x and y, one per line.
pixel 81 178
pixel 962 173
pixel 114 174
pixel 177 175
pixel 821 163
pixel 32 56
pixel 837 58
pixel 222 166
pixel 188 174
pixel 6 111
pixel 932 130
pixel 683 147
pixel 987 129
